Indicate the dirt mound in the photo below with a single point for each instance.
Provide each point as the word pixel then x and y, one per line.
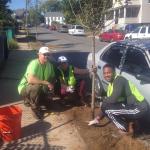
pixel 105 136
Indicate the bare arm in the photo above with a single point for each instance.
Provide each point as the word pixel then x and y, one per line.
pixel 34 80
pixel 81 71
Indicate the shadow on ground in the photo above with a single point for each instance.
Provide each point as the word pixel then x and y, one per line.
pixel 31 132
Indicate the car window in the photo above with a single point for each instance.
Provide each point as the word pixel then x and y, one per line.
pixel 113 55
pixel 136 30
pixel 110 31
pixel 135 62
pixel 148 29
pixel 79 27
pixel 143 30
pixel 64 26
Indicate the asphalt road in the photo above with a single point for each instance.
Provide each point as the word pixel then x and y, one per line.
pixel 75 48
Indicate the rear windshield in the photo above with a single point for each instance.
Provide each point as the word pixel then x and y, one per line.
pixel 64 26
pixel 79 27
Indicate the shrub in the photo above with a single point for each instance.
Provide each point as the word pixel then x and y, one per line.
pixel 12 44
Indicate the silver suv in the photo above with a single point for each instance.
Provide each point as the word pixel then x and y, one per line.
pixel 130 58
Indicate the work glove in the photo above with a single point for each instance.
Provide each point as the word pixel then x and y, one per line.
pixel 93 122
pixel 70 89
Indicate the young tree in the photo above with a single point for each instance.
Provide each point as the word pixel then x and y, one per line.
pixel 90 14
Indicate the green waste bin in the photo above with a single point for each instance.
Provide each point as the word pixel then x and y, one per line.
pixel 9 34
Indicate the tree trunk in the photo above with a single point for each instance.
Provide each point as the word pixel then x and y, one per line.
pixel 93 76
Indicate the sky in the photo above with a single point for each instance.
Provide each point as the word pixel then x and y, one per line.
pixel 15 4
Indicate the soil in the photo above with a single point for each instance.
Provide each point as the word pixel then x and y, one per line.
pixel 105 136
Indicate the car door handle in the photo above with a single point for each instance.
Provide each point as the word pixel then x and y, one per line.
pixel 99 67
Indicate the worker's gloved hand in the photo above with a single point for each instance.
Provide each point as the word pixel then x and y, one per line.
pixel 70 89
pixel 93 122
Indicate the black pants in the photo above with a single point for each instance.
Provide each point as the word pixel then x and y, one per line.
pixel 35 94
pixel 119 113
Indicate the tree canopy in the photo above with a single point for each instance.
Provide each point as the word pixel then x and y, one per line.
pixel 5 13
pixel 88 13
pixel 50 6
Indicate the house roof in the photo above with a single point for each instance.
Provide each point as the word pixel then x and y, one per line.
pixel 54 14
pixel 19 12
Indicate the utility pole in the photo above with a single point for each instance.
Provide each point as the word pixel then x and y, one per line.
pixel 26 23
pixel 36 20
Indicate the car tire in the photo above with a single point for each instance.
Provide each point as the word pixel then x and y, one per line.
pixel 111 40
pixel 130 37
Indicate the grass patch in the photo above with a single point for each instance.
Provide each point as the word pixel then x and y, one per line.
pixel 13 44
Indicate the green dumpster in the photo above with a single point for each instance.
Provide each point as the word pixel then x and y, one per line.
pixel 9 34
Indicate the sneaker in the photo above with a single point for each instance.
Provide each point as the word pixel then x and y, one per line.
pixel 93 122
pixel 37 114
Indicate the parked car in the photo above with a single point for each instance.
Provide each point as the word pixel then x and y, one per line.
pixel 63 29
pixel 52 27
pixel 112 35
pixel 136 67
pixel 141 32
pixel 132 26
pixel 76 30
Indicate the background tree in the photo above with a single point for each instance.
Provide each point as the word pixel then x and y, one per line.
pixel 35 16
pixel 5 14
pixel 70 18
pixel 50 6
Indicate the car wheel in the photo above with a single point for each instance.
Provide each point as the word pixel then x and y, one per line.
pixel 130 37
pixel 111 40
pixel 98 87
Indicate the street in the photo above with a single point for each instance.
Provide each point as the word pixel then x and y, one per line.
pixel 66 42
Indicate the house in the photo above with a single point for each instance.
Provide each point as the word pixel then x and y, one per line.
pixel 54 16
pixel 127 11
pixel 20 13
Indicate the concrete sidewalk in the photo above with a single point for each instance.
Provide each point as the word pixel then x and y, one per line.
pixel 56 131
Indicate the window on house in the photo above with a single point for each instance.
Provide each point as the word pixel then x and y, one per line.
pixel 121 14
pixel 132 12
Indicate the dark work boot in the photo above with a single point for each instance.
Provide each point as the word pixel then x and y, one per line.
pixel 37 113
pixel 26 102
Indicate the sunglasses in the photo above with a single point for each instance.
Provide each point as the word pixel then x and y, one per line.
pixel 46 54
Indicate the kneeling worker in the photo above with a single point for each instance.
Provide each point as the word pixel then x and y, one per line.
pixel 37 82
pixel 68 80
pixel 123 103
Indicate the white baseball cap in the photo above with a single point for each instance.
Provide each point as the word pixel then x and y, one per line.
pixel 62 59
pixel 44 50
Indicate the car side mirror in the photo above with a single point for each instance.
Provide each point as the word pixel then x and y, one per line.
pixel 143 78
